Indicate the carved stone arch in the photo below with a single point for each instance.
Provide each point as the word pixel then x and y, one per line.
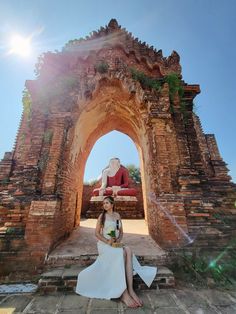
pixel 101 115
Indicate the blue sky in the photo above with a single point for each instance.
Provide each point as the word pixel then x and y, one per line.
pixel 202 32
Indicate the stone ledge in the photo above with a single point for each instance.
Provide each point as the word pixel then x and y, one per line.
pixel 118 198
pixel 58 262
pixel 198 215
pixel 65 279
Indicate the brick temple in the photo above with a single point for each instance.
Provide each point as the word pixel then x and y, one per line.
pixel 110 81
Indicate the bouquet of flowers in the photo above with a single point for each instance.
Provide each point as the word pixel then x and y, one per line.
pixel 112 234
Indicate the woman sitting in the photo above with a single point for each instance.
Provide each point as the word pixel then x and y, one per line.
pixel 111 275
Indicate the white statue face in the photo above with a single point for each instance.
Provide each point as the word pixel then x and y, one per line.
pixel 114 163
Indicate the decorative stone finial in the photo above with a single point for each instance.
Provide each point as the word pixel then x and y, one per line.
pixel 113 24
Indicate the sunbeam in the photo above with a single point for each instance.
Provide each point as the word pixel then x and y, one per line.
pixel 153 198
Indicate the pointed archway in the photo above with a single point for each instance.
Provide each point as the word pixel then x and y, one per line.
pixel 96 122
pixel 114 144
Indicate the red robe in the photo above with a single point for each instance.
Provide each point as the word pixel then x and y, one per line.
pixel 121 179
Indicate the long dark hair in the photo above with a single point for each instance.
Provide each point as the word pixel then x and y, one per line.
pixel 112 201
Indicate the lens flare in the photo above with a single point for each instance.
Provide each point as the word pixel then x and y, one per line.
pixel 20 46
pixel 153 198
pixel 212 264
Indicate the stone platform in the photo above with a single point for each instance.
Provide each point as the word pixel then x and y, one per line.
pixel 81 247
pixel 80 250
pixel 126 206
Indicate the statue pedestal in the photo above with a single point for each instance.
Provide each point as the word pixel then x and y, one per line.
pixel 126 206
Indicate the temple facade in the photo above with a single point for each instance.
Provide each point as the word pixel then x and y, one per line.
pixel 110 81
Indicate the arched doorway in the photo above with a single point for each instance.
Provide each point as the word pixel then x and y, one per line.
pixel 82 241
pixel 111 109
pixel 119 145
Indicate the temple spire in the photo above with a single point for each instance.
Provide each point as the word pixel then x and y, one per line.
pixel 113 24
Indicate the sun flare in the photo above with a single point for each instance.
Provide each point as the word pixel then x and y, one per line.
pixel 20 46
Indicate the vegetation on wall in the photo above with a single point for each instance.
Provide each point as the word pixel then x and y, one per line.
pixel 65 83
pixel 145 81
pixel 172 79
pixel 175 86
pixel 102 67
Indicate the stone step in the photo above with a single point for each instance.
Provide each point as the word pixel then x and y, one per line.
pixel 88 259
pixel 129 214
pixel 65 279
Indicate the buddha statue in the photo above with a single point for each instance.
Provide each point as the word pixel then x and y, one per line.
pixel 115 181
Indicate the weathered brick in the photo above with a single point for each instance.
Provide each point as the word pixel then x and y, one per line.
pixel 41 181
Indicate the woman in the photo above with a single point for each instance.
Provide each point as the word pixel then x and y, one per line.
pixel 111 275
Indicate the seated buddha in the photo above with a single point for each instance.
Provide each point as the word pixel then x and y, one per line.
pixel 115 181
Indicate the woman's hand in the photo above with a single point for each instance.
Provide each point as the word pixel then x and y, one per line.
pixel 111 240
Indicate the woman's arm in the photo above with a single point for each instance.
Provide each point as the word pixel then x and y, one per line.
pixel 98 234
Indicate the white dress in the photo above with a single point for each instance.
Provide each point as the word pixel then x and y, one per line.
pixel 105 278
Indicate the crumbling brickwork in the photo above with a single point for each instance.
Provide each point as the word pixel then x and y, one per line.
pixel 81 94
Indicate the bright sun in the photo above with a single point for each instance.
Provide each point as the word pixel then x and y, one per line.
pixel 20 46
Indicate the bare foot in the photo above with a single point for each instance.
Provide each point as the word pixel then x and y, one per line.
pixel 136 298
pixel 127 300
